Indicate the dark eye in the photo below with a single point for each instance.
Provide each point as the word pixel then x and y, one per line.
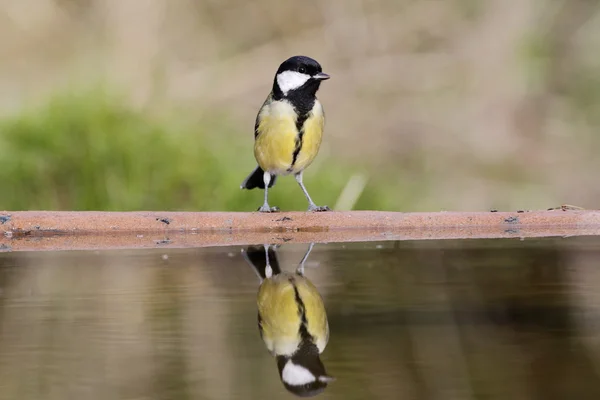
pixel 302 70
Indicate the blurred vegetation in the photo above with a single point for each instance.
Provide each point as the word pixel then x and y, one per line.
pixel 89 150
pixel 458 105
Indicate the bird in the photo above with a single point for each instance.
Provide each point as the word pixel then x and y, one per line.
pixel 289 128
pixel 292 321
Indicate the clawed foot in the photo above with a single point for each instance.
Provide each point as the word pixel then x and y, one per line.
pixel 316 208
pixel 266 209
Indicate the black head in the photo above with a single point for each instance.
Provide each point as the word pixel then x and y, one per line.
pixel 298 75
pixel 303 374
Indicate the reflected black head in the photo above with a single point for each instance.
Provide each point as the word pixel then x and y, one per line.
pixel 307 357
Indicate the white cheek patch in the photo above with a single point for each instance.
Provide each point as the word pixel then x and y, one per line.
pixel 290 80
pixel 296 375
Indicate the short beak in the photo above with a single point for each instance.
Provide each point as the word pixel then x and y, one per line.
pixel 321 76
pixel 326 378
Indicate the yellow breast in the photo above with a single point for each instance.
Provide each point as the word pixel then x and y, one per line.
pixel 311 139
pixel 280 314
pixel 277 135
pixel 276 139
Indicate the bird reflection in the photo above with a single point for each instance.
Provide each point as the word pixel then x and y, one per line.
pixel 291 320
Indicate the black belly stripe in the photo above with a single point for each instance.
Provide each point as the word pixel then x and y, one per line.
pixel 300 128
pixel 302 312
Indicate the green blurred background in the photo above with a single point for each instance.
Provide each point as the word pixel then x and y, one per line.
pixel 454 105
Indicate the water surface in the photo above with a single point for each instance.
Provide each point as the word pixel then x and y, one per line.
pixel 465 319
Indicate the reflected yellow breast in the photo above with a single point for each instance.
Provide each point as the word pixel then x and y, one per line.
pixel 280 314
pixel 316 316
pixel 278 310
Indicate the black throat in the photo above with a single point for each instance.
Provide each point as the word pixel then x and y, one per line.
pixel 303 100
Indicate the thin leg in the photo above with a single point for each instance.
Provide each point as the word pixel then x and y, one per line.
pixel 260 279
pixel 268 269
pixel 300 268
pixel 311 205
pixel 265 207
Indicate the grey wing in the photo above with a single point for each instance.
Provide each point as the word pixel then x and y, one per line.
pixel 257 121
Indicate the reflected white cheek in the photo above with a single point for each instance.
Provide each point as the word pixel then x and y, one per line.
pixel 290 80
pixel 296 375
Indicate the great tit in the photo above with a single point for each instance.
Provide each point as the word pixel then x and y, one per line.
pixel 289 128
pixel 292 322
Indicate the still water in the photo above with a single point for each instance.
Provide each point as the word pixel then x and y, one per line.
pixel 468 319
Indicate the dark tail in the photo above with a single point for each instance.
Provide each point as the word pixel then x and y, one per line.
pixel 255 255
pixel 255 180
